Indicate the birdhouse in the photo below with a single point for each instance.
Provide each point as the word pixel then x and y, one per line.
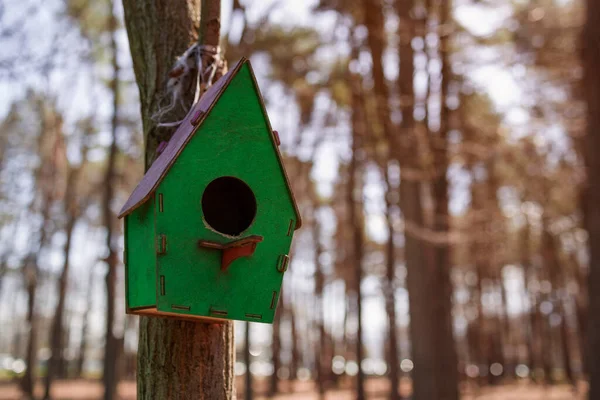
pixel 209 227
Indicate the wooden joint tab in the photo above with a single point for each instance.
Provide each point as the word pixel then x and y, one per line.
pixel 220 313
pixel 254 316
pixel 180 308
pixel 273 300
pixel 197 118
pixel 283 262
pixel 161 245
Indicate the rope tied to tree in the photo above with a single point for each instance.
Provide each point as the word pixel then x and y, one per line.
pixel 200 63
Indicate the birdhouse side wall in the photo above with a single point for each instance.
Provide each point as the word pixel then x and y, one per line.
pixel 140 257
pixel 235 141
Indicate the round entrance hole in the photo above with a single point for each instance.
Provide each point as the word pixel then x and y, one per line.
pixel 229 206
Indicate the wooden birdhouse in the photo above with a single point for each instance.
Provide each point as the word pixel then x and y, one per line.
pixel 208 229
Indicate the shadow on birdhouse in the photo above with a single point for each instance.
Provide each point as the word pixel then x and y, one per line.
pixel 209 227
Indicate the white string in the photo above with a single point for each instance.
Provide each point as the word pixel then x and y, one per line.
pixel 191 60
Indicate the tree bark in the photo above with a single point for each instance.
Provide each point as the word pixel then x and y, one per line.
pixel 176 359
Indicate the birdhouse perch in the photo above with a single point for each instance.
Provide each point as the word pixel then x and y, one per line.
pixel 209 227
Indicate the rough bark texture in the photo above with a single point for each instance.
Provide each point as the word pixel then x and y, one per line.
pixel 185 360
pixel 159 32
pixel 176 359
pixel 591 63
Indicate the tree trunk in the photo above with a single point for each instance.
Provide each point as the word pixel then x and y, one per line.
pixel 84 326
pixel 248 393
pixel 320 367
pixel 295 359
pixel 591 64
pixel 57 331
pixel 390 304
pixel 276 348
pixel 45 179
pixel 28 382
pixel 355 220
pixel 557 278
pixel 447 364
pixel 176 359
pixel 111 348
pixel 420 275
pixel 374 21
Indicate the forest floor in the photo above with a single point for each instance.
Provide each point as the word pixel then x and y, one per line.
pixel 376 390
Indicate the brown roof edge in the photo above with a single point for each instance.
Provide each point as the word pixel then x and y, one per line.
pixel 276 148
pixel 184 133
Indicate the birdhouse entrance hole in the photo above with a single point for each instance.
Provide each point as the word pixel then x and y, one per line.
pixel 229 206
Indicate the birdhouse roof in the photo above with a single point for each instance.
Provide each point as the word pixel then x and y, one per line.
pixel 192 122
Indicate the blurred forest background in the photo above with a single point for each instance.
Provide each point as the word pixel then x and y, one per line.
pixel 436 148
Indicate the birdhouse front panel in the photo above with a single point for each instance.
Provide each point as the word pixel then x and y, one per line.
pixel 238 192
pixel 223 216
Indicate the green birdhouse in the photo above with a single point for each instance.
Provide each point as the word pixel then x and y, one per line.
pixel 209 227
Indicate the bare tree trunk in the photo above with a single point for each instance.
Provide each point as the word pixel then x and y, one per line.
pixel 591 64
pixel 176 359
pixel 374 21
pixel 84 327
pixel 248 393
pixel 525 264
pixel 319 309
pixel 557 278
pixel 48 145
pixel 31 270
pixel 111 349
pixel 547 345
pixel 447 364
pixel 355 220
pixel 420 274
pixel 57 330
pixel 390 304
pixel 294 361
pixel 276 348
pixel 564 344
pixel 28 382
